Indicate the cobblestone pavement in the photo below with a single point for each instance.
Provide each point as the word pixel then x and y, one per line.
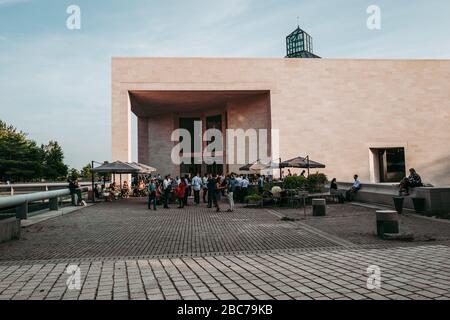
pixel 127 229
pixel 127 252
pixel 357 224
pixel 406 273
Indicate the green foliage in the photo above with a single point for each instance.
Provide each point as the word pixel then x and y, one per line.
pixel 295 182
pixel 54 167
pixel 316 182
pixel 22 160
pixel 74 174
pixel 253 198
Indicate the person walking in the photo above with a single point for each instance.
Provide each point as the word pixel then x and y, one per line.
pixel 231 186
pixel 152 194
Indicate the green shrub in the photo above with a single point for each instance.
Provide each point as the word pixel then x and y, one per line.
pixel 295 182
pixel 253 197
pixel 316 182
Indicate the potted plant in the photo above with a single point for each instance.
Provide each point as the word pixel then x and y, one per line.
pixel 254 200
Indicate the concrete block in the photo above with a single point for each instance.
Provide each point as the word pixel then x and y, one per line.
pixel 22 211
pixel 319 207
pixel 9 229
pixel 53 204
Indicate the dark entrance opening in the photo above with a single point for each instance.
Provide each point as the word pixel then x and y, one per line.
pixel 391 164
pixel 192 168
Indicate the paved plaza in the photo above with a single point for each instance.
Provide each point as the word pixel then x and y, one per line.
pixel 125 251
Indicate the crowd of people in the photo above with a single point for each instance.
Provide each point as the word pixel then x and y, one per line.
pixel 210 189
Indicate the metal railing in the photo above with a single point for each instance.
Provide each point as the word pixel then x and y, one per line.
pixel 21 202
pixel 21 188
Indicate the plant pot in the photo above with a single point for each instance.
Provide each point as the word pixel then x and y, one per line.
pixel 419 205
pixel 398 203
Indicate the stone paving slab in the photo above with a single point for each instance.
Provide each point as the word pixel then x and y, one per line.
pixel 406 273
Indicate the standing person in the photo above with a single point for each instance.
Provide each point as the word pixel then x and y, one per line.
pixel 333 186
pixel 217 193
pixel 244 188
pixel 238 189
pixel 231 188
pixel 174 184
pixel 303 174
pixel 181 191
pixel 159 179
pixel 211 186
pixel 222 183
pixel 196 186
pixel 167 187
pixel 152 194
pixel 260 184
pixel 205 187
pixel 187 189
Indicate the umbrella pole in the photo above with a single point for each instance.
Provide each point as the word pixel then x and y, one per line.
pixel 307 161
pixel 92 180
pixel 281 172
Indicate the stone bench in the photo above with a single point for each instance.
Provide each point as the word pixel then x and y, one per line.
pixel 437 200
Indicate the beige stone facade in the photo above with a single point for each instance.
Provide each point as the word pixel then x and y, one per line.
pixel 336 111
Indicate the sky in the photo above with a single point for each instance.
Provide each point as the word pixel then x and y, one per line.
pixel 55 83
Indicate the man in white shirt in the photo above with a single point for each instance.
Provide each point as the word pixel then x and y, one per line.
pixel 354 189
pixel 196 186
pixel 167 186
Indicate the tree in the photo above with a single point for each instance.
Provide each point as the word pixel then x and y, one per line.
pixel 20 158
pixel 54 167
pixel 74 174
pixel 86 173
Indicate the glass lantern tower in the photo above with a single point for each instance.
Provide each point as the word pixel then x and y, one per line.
pixel 299 44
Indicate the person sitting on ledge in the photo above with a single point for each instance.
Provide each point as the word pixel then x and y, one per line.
pixel 354 189
pixel 413 181
pixel 335 192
